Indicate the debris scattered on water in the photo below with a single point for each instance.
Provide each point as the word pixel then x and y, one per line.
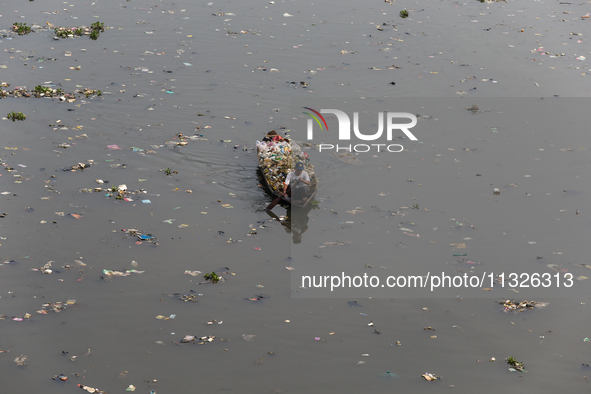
pixel 387 374
pixel 520 306
pixel 21 360
pixel 46 92
pixel 112 273
pixel 91 389
pixel 429 377
pixel 186 297
pixel 192 273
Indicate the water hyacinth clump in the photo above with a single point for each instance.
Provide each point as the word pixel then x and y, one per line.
pixel 14 116
pixel 65 32
pixel 70 32
pixel 517 365
pixel 42 89
pixel 96 29
pixel 212 277
pixel 46 91
pixel 21 28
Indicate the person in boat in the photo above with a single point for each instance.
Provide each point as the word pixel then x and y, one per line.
pixel 300 180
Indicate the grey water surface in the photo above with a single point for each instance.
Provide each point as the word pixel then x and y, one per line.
pixel 228 72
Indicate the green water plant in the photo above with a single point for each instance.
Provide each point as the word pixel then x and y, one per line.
pixel 61 33
pixel 96 29
pixel 212 277
pixel 65 32
pixel 42 89
pixel 518 365
pixel 98 26
pixel 404 14
pixel 14 116
pixel 21 28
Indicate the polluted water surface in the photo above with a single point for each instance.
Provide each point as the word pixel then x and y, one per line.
pixel 132 209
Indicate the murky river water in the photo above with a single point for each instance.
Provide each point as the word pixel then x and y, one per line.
pixel 226 73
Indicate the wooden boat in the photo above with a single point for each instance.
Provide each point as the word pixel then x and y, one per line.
pixel 277 157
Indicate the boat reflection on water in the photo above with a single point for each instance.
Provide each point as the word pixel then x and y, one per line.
pixel 295 222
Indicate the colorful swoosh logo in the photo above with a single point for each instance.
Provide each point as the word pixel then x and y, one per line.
pixel 316 117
